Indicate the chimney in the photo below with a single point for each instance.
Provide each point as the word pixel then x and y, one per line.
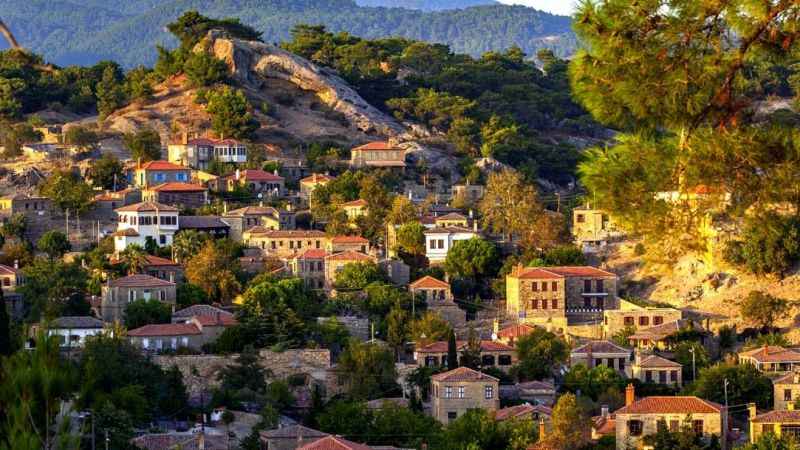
pixel 630 394
pixel 16 264
pixel 238 174
pixel 752 410
pixel 542 431
pixel 475 225
pixel 604 411
pixel 184 138
pixel 275 172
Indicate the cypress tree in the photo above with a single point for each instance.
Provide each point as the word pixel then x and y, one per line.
pixel 452 351
pixel 5 328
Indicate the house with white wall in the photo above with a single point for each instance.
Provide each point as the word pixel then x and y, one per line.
pixel 439 241
pixel 138 222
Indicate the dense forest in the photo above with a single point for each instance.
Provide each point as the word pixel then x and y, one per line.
pixel 426 5
pixel 87 31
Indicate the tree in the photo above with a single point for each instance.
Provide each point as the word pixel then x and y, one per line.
pixel 68 190
pixel 683 439
pixel 402 211
pixel 692 356
pixel 144 144
pixel 80 136
pixel 139 83
pixel 745 385
pixel 5 328
pixel 763 309
pixel 54 244
pixel 192 26
pixel 145 312
pixel 358 275
pixel 472 258
pixel 429 327
pixel 14 136
pixel 769 244
pixel 540 353
pixel 366 370
pixel 411 238
pixel 203 69
pixel 213 270
pixel 397 328
pixel 107 172
pixel 246 372
pixel 769 441
pixel 134 258
pixel 452 350
pixel 230 113
pixel 187 244
pixel 110 95
pixel 471 354
pixel 592 382
pixel 53 288
pixel 188 294
pixel 570 424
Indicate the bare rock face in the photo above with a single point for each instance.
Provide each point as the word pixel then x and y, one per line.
pixel 249 61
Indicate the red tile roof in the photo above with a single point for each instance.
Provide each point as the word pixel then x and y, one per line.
pixel 429 282
pixel 165 329
pixel 313 253
pixel 513 412
pixel 201 141
pixel 377 145
pixel 536 386
pixel 333 443
pixel 659 362
pixel 359 202
pixel 162 165
pixel 462 374
pixel 604 425
pixel 253 210
pixel 255 175
pixel 451 216
pixel 294 234
pixel 349 240
pixel 778 417
pixel 140 280
pixel 178 187
pixel 147 207
pixel 671 405
pixel 515 331
pixel 126 232
pixel 448 230
pixel 226 320
pixel 8 270
pixel 317 178
pixel 600 347
pixel 562 272
pixel 788 378
pixel 486 346
pixel 349 256
pixel 152 260
pixel 772 353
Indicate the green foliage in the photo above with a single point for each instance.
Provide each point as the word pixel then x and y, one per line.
pixel 145 312
pixel 592 382
pixel 769 441
pixel 214 269
pixel 688 352
pixel 770 244
pixel 771 339
pixel 332 333
pixel 683 439
pixel 68 190
pixel 230 113
pixel 745 384
pixel 562 255
pixel 5 328
pixel 539 354
pixel 144 144
pixel 763 309
pixel 477 429
pixel 107 172
pixel 203 69
pixel 473 258
pixel 358 275
pixel 187 294
pixel 366 370
pixel 13 136
pixel 80 136
pixel 192 26
pixel 246 372
pixel 53 287
pixel 411 238
pixel 110 92
pixel 54 244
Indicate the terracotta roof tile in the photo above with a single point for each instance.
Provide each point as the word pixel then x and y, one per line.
pixel 152 260
pixel 253 211
pixel 333 443
pixel 349 240
pixel 349 256
pixel 486 346
pixel 513 412
pixel 665 329
pixel 772 353
pixel 657 361
pixel 293 432
pixel 147 207
pixel 429 282
pixel 165 329
pixel 162 165
pixel 140 280
pixel 451 216
pixel 515 331
pixel 377 145
pixel 563 272
pixel 256 175
pixel 462 374
pixel 449 230
pixel 8 270
pixel 130 232
pixel 671 405
pixel 302 234
pixel 178 187
pixel 778 417
pixel 600 347
pixel 788 378
pixel 313 253
pixel 354 203
pixel 317 178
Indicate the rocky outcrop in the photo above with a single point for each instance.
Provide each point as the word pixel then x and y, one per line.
pixel 251 62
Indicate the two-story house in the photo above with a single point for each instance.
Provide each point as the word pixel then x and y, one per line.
pixel 439 241
pixel 119 293
pixel 640 418
pixel 142 221
pixel 186 195
pixel 355 209
pixel 267 217
pixel 771 358
pixel 559 296
pixel 284 243
pixel 439 298
pixel 348 243
pixel 493 354
pixel 256 181
pixel 658 336
pixel 153 173
pixel 457 391
pixel 781 423
pixel 786 391
pixel 336 262
pixel 378 154
pixel 37 211
pixel 658 370
pixel 602 353
pixel 198 153
pixel 313 181
pixel 310 267
pixel 637 318
pixel 72 331
pixel 593 228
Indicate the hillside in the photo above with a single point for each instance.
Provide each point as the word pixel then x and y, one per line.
pixel 425 5
pixel 84 32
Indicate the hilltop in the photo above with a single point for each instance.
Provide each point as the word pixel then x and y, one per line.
pixel 72 32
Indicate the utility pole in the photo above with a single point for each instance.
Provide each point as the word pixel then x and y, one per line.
pixel 694 375
pixel 725 388
pixel 107 439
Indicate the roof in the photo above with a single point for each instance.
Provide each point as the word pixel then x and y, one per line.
pixel 772 353
pixel 313 253
pixel 451 216
pixel 348 255
pixel 201 222
pixel 317 178
pixel 657 361
pixel 486 346
pixel 448 230
pixel 377 145
pixel 354 203
pixel 293 432
pixel 277 234
pixel 182 441
pixel 462 374
pixel 126 232
pixel 777 417
pixel 788 378
pixel 513 411
pixel 152 260
pixel 671 405
pixel 178 187
pixel 146 207
pixel 333 443
pixel 536 386
pixel 161 165
pixel 429 282
pixel 8 270
pixel 600 347
pixel 255 175
pixel 561 272
pixel 604 425
pixel 515 331
pixel 213 321
pixel 76 322
pixel 140 280
pixel 165 329
pixel 349 240
pixel 200 310
pixel 253 210
pixel 665 329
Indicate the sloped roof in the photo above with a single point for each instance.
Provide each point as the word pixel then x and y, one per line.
pixel 165 329
pixel 786 379
pixel 377 145
pixel 600 347
pixel 486 346
pixel 354 203
pixel 655 361
pixel 130 232
pixel 665 329
pixel 152 260
pixel 772 353
pixel 182 441
pixel 513 411
pixel 293 432
pixel 349 255
pixel 253 211
pixel 277 234
pixel 317 178
pixel 200 310
pixel 462 374
pixel 8 270
pixel 178 187
pixel 76 322
pixel 562 272
pixel 671 405
pixel 140 280
pixel 536 386
pixel 429 282
pixel 162 165
pixel 449 230
pixel 255 175
pixel 333 443
pixel 349 240
pixel 777 417
pixel 147 207
pixel 451 216
pixel 313 253
pixel 201 222
pixel 515 331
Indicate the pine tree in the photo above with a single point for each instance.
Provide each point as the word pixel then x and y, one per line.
pixel 5 328
pixel 452 351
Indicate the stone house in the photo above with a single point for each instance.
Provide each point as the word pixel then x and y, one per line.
pixel 398 272
pixel 657 337
pixel 783 423
pixel 510 335
pixel 200 152
pixel 658 370
pixel 558 296
pixel 308 184
pixel 119 293
pixel 593 228
pixel 205 311
pixel 355 209
pixel 256 181
pixel 192 333
pixel 602 353
pixel 348 244
pixel 636 317
pixel 153 173
pixel 537 392
pixel 212 226
pixel 38 213
pixel 289 438
pixel 453 219
pixel 786 390
pixel 493 354
pixel 109 201
pixel 11 278
pixel 439 298
pixel 267 217
pixel 334 264
pixel 439 241
pixel 640 418
pixel 284 243
pixel 455 392
pixel 771 358
pixel 310 267
pixel 470 193
pixel 378 154
pixel 177 194
pixel 162 268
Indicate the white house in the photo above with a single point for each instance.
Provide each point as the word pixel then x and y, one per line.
pixel 199 153
pixel 73 330
pixel 140 221
pixel 439 241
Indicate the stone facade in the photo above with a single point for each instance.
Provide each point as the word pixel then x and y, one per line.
pixel 455 392
pixel 640 318
pixel 786 391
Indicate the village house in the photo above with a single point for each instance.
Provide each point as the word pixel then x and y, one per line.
pixel 604 424
pixel 493 354
pixel 308 184
pixel 439 298
pixel 162 268
pixel 468 193
pixel 378 154
pixel 153 173
pixel 632 316
pixel 284 243
pixel 267 217
pixel 398 272
pixel 658 337
pixel 593 229
pixel 310 267
pixel 335 263
pixel 108 201
pixel 452 219
pixel 11 278
pixel 786 390
pixel 509 335
pixel 537 393
pixel 292 169
pixel 524 411
pixel 455 392
pixel 781 423
pixel 119 293
pixel 439 241
pixel 355 209
pixel 337 443
pixel 348 243
pixel 256 181
pixel 181 441
pixel 142 221
pixel 200 152
pixel 559 296
pixel 640 418
pixel 213 226
pixel 289 437
pixel 771 358
pixel 185 195
pixel 37 211
pixel 602 353
pixel 72 331
pixel 658 370
pixel 191 328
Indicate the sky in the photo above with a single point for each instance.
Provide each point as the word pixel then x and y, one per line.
pixel 563 7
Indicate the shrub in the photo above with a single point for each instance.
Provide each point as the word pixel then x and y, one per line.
pixel 768 245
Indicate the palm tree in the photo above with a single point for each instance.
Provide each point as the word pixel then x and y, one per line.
pixel 187 244
pixel 135 258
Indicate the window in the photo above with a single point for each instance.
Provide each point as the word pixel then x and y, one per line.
pixel 628 321
pixel 431 361
pixel 580 218
pixel 674 425
pixel 461 392
pixel 658 320
pixel 504 360
pixel 535 304
pixel 554 286
pixel 599 286
pixel 488 392
pixel 635 427
pixel 535 286
pixel 587 285
pixel 544 304
pixel 662 376
pixel 448 392
pixel 145 343
pixel 544 286
pixel 555 304
pixel 787 395
pixel 598 362
pixel 621 364
pixel 6 281
pixel 644 321
pixel 487 360
pixel 697 426
pixel 673 376
pixel 452 415
pixel 441 243
pixel 648 376
pixel 661 425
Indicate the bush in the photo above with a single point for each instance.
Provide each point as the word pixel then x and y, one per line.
pixel 639 249
pixel 769 245
pixel 203 69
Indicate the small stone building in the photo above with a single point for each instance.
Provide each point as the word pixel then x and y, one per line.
pixel 658 370
pixel 786 390
pixel 119 293
pixel 602 353
pixel 455 392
